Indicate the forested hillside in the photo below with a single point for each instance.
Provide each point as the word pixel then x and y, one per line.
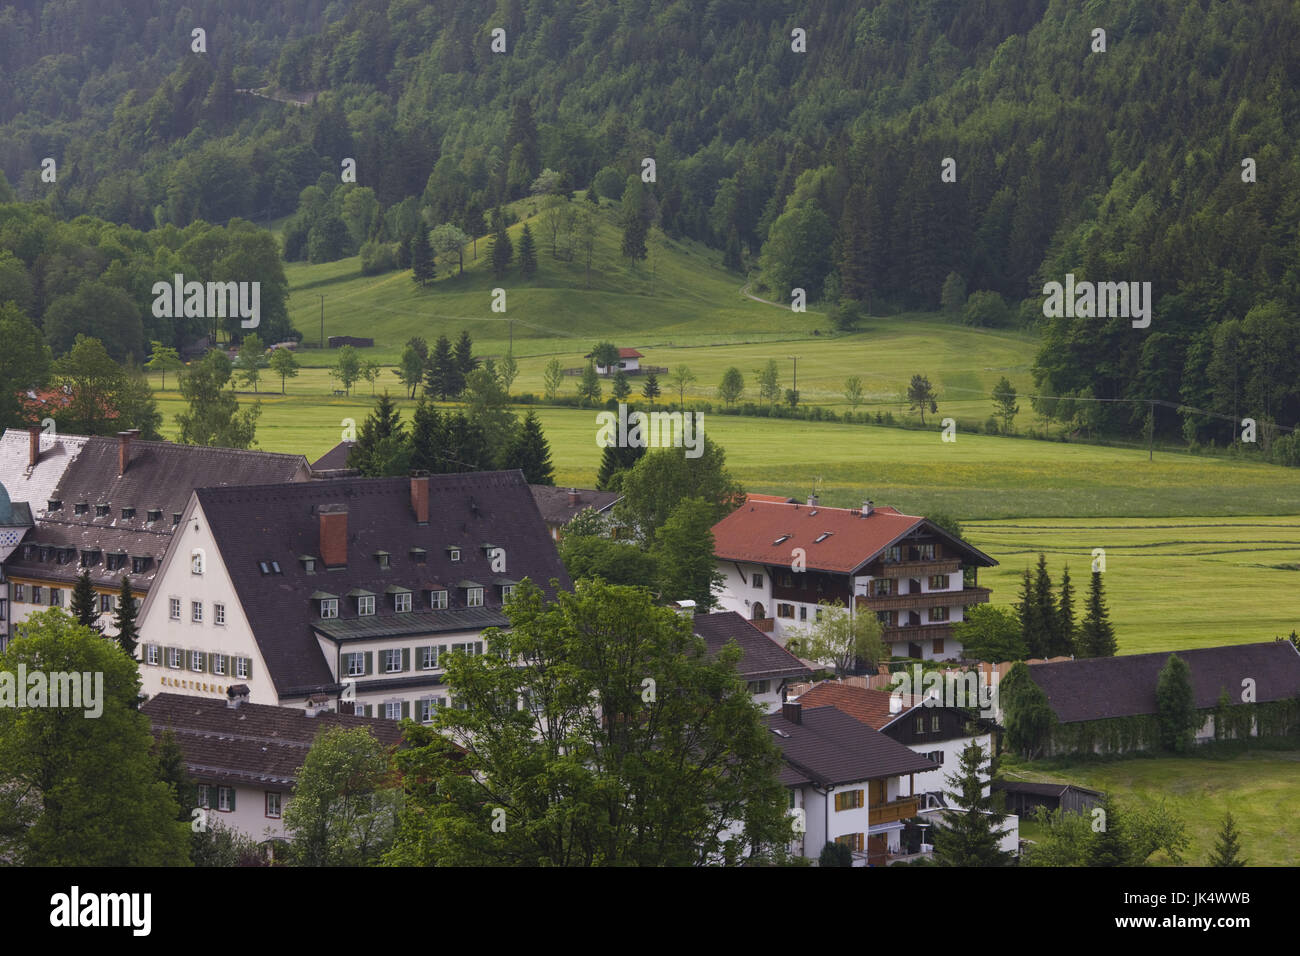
pixel 820 169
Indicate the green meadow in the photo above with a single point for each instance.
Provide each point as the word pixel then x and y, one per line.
pixel 1257 786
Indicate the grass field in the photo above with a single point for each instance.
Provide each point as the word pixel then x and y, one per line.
pixel 1258 787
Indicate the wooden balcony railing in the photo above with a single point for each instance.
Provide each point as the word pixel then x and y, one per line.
pixel 927 632
pixel 925 599
pixel 919 569
pixel 903 809
pixel 767 625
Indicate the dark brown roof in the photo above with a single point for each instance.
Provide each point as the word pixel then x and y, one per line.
pixel 830 748
pixel 761 657
pixel 281 523
pixel 336 457
pixel 252 744
pixel 1100 687
pixel 554 504
pixel 160 477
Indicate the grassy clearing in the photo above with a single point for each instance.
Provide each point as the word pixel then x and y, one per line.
pixel 1257 786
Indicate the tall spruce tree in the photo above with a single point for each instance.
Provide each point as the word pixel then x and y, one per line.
pixel 423 270
pixel 502 250
pixel 1032 628
pixel 527 254
pixel 1065 627
pixel 650 390
pixel 124 618
pixel 465 360
pixel 1096 633
pixel 1051 640
pixel 615 460
pixel 1227 846
pixel 972 837
pixel 531 453
pixel 85 603
pixel 426 436
pixel 380 449
pixel 444 379
pixel 1108 846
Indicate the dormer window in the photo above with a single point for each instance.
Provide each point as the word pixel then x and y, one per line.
pixel 382 558
pixel 453 554
pixel 115 561
pixel 419 555
pixel 80 508
pixel 154 514
pixel 176 518
pixel 55 505
pixel 308 563
pixel 402 602
pixel 101 511
pixel 90 557
pixel 329 608
pixel 366 605
pixel 140 564
pixel 128 513
pixel 438 600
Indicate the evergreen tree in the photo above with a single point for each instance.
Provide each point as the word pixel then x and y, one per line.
pixel 635 227
pixel 1065 614
pixel 1051 640
pixel 527 254
pixel 651 388
pixel 426 436
pixel 1032 627
pixel 731 254
pixel 85 603
pixel 380 449
pixel 835 854
pixel 423 269
pixel 589 385
pixel 1176 705
pixel 502 251
pixel 1109 845
pixel 531 453
pixel 1227 847
pixel 1096 633
pixel 465 360
pixel 854 265
pixel 124 618
pixel 444 379
pixel 522 133
pixel 615 460
pixel 621 388
pixel 971 838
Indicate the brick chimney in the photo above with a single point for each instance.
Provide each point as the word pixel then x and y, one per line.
pixel 420 500
pixel 792 711
pixel 33 445
pixel 236 694
pixel 334 535
pixel 574 497
pixel 124 440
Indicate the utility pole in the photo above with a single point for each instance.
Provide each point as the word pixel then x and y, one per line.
pixel 795 359
pixel 1151 430
pixel 322 321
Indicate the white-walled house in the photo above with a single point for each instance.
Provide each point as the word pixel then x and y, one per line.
pixel 352 588
pixel 765 666
pixel 629 360
pixel 781 559
pixel 244 758
pixel 848 783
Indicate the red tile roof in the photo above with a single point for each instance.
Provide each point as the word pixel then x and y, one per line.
pixel 629 353
pixel 768 532
pixel 867 706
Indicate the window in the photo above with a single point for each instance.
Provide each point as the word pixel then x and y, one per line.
pixel 101 511
pixel 402 602
pixel 934 723
pixel 822 537
pixel 426 709
pixel 196 612
pixel 883 586
pixel 329 608
pixel 128 513
pixel 241 667
pixel 56 597
pixel 218 614
pixel 20 593
pixel 80 508
pixel 176 518
pixel 936 756
pixel 366 605
pixel 174 658
pixel 382 558
pixel 471 648
pixel 852 840
pixel 393 710
pixel 36 594
pixel 849 800
pixel 204 795
pixel 506 591
pixel 473 597
pixel 760 686
pixel 936 646
pixel 176 609
pixel 785 610
pixel 275 568
pixel 196 661
pixel 920 724
pixel 429 658
pixel 819 614
pixel 758 580
pixel 355 664
pixel 925 552
pixel 938 614
pixel 803 613
pixel 105 603
pixel 419 555
pixel 453 554
pixel 196 561
pixel 225 799
pixel 787 579
pixel 153 514
pixel 938 582
pixel 438 600
pixel 218 662
pixel 272 805
pixel 116 561
pixel 309 565
pixel 894 554
pixel 151 654
pixel 393 660
pixel 140 564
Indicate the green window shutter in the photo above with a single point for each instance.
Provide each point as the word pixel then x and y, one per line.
pixel 370 663
pixel 249 675
pixel 203 662
pixel 406 708
pixel 419 658
pixel 406 658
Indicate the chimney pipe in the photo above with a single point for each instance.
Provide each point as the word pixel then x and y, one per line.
pixel 574 497
pixel 792 711
pixel 867 508
pixel 33 445
pixel 334 535
pixel 124 449
pixel 420 500
pixel 812 501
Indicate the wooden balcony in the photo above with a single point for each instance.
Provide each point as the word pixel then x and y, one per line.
pixel 925 599
pixel 916 633
pixel 919 569
pixel 903 809
pixel 767 625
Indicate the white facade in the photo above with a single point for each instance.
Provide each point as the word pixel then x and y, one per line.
pixel 245 808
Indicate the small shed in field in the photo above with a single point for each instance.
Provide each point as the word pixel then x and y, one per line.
pixel 1025 798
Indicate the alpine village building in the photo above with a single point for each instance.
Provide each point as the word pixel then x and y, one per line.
pixel 780 560
pixel 350 590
